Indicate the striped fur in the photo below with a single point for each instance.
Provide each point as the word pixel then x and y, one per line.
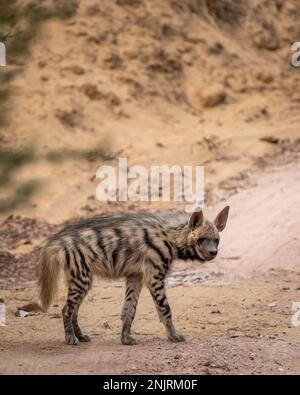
pixel 139 247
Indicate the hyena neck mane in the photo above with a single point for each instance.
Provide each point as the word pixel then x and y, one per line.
pixel 184 250
pixel 178 230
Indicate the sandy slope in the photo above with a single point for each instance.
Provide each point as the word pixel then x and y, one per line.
pixel 133 76
pixel 265 228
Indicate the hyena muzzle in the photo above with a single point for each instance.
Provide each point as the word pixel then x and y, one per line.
pixel 138 247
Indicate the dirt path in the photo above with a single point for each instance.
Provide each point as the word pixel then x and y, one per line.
pixel 265 223
pixel 236 315
pixel 229 329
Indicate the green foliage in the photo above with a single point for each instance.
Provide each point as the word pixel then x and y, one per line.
pixel 20 196
pixel 65 9
pixel 35 12
pixel 10 162
pixel 19 25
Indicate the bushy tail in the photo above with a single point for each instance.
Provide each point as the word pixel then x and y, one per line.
pixel 49 268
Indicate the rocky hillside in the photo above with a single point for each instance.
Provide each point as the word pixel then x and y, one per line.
pixel 185 81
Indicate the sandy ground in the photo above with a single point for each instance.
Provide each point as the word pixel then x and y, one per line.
pixel 235 312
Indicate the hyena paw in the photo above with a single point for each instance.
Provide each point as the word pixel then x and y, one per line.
pixel 83 337
pixel 176 337
pixel 128 340
pixel 72 340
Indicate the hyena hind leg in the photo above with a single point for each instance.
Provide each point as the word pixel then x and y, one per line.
pixel 81 336
pixel 73 332
pixel 133 290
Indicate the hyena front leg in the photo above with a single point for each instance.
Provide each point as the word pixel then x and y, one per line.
pixel 133 288
pixel 158 293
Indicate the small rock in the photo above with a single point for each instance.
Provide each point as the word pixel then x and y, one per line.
pixel 106 325
pixel 22 313
pixel 92 92
pixel 264 76
pixel 91 298
pixel 270 139
pixel 216 49
pixel 213 96
pixel 78 70
pixel 129 2
pixel 217 274
pixel 114 61
pixel 93 10
pixel 41 64
pixel 68 118
pixel 55 316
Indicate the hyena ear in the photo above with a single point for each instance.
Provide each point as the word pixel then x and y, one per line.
pixel 221 219
pixel 196 219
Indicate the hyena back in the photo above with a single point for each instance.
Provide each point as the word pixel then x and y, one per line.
pixel 139 247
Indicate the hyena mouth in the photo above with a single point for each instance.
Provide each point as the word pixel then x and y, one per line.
pixel 189 255
pixel 210 258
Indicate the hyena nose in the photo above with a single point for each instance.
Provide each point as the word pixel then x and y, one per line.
pixel 212 252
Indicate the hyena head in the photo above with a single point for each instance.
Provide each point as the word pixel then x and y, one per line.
pixel 203 236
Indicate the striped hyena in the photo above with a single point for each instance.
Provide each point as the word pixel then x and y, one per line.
pixel 139 247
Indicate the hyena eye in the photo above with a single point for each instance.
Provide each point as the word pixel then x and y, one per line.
pixel 216 241
pixel 201 240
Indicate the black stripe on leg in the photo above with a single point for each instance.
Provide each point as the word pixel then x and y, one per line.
pixel 167 244
pixel 67 257
pixel 167 310
pixel 159 288
pixel 114 256
pixel 83 261
pixel 126 256
pixel 88 246
pixel 129 292
pixel 161 300
pixel 76 263
pixel 158 268
pixel 118 233
pixel 101 245
pixel 79 286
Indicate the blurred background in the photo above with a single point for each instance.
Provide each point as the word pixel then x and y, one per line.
pixel 175 82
